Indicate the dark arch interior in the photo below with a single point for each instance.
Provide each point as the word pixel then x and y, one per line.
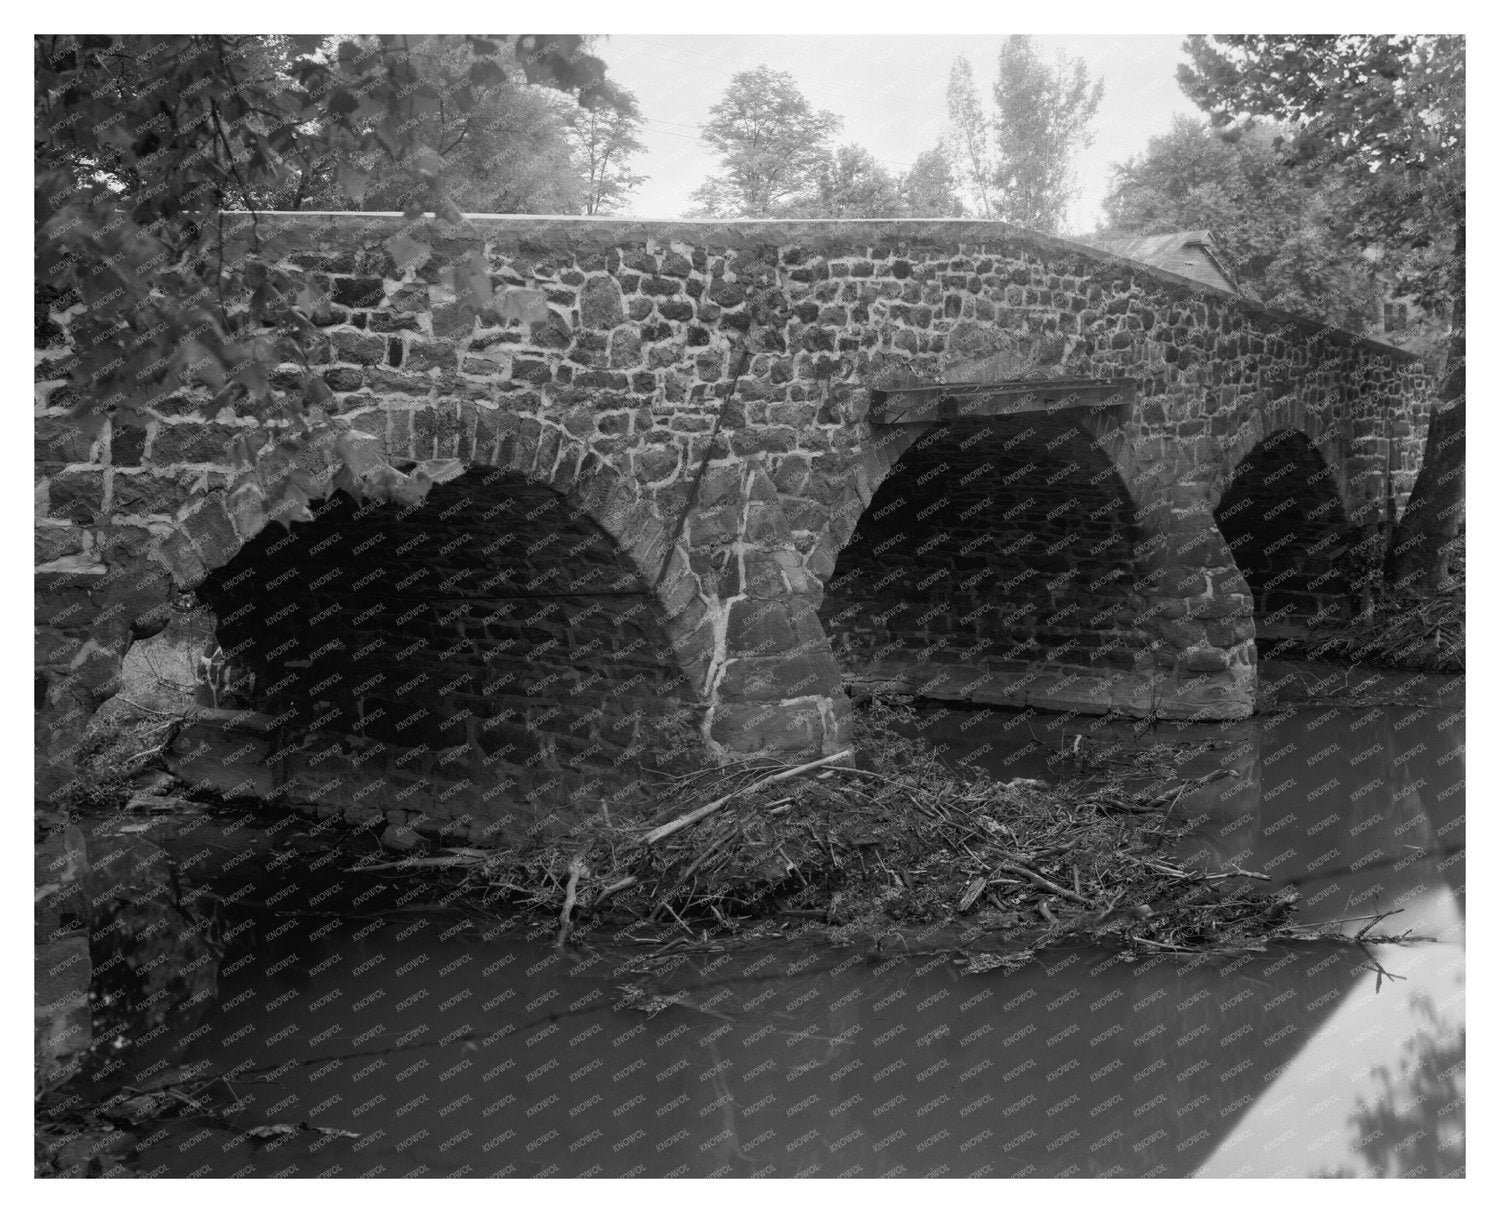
pixel 1003 544
pixel 488 654
pixel 1285 525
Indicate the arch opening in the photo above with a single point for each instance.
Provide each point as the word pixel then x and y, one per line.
pixel 995 564
pixel 1285 524
pixel 473 663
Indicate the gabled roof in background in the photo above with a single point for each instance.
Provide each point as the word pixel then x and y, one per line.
pixel 1191 254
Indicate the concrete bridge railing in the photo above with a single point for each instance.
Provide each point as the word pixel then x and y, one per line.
pixel 685 523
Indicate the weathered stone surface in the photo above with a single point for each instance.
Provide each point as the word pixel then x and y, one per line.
pixel 60 440
pixel 358 292
pixel 763 679
pixel 782 729
pixel 224 751
pixel 191 442
pixel 759 628
pixel 600 304
pixel 1127 586
pixel 364 349
pixel 55 542
pixel 145 494
pixel 77 496
pixel 1205 660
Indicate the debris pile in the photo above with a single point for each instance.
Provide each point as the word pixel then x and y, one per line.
pixel 895 840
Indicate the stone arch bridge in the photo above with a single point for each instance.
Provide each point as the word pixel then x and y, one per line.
pixel 733 472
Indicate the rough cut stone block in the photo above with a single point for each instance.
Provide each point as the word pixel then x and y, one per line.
pixel 224 751
pixel 1205 660
pixel 182 559
pixel 77 496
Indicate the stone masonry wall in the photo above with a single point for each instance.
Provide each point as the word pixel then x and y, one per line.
pixel 611 402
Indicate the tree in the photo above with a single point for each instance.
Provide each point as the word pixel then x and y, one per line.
pixel 930 187
pixel 1018 162
pixel 969 136
pixel 146 147
pixel 1043 118
pixel 508 154
pixel 770 141
pixel 1387 115
pixel 849 184
pixel 604 140
pixel 1278 232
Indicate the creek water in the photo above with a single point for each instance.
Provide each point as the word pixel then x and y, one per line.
pixel 413 1041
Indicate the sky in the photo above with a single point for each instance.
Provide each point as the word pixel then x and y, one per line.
pixel 889 89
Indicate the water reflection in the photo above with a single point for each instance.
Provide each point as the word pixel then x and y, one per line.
pixel 451 1051
pixel 1379 1090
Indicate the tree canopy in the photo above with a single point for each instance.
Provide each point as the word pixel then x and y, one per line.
pixel 1386 114
pixel 1278 232
pixel 849 184
pixel 1016 161
pixel 1043 118
pixel 509 153
pixel 146 146
pixel 779 162
pixel 930 187
pixel 604 140
pixel 770 142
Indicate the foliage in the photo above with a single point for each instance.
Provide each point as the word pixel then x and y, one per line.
pixel 930 187
pixel 603 142
pixel 508 154
pixel 1276 230
pixel 1017 163
pixel 143 144
pixel 1387 115
pixel 1384 114
pixel 969 135
pixel 1043 117
pixel 1414 1125
pixel 849 184
pixel 778 162
pixel 771 144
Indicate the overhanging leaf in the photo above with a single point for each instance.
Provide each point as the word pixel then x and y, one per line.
pixel 407 252
pixel 427 163
pixel 440 471
pixel 470 280
pixel 521 303
pixel 486 73
pixel 353 181
pixel 360 457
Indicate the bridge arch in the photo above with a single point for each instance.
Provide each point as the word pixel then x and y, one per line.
pixel 994 560
pixel 1282 506
pixel 1289 416
pixel 527 634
